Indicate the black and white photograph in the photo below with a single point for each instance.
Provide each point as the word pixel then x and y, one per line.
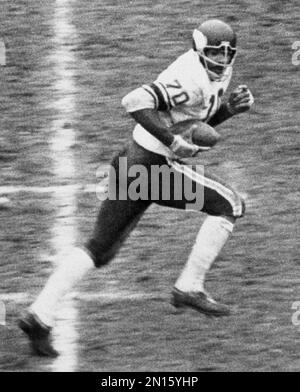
pixel 149 195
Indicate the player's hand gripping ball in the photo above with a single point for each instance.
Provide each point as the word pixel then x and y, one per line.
pixel 192 137
pixel 197 132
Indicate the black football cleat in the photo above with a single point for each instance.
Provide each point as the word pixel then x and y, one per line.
pixel 39 335
pixel 199 301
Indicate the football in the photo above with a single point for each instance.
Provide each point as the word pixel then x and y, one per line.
pixel 196 131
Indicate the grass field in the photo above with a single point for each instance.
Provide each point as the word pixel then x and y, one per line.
pixel 69 63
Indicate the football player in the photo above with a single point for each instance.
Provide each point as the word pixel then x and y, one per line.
pixel 190 88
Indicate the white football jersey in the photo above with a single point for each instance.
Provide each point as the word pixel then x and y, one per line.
pixel 181 92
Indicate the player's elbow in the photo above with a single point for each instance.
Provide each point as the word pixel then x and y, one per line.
pixel 126 101
pixel 137 100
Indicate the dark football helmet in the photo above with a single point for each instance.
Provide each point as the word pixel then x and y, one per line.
pixel 211 38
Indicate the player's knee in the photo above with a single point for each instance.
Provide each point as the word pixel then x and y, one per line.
pixel 239 207
pixel 99 257
pixel 101 260
pixel 243 206
pixel 234 208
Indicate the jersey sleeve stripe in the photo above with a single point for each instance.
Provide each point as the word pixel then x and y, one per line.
pixel 167 94
pixel 162 103
pixel 152 93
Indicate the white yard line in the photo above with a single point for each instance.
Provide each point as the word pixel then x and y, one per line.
pixel 11 189
pixel 64 230
pixel 15 297
pixel 121 296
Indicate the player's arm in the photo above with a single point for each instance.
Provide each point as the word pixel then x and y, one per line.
pixel 240 100
pixel 143 105
pixel 220 116
pixel 149 119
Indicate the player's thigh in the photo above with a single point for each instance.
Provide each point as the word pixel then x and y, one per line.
pixel 118 213
pixel 202 191
pixel 115 220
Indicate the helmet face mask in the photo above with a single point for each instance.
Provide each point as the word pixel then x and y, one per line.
pixel 211 56
pixel 215 43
